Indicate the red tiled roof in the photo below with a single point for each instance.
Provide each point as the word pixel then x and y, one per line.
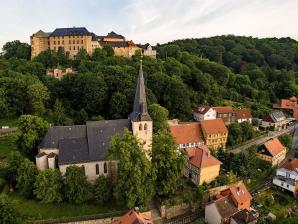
pixel 223 110
pixel 243 113
pixel 295 113
pixel 203 109
pixel 274 146
pixel 287 103
pixel 291 165
pixel 133 217
pixel 201 157
pixel 187 133
pixel 293 99
pixel 215 126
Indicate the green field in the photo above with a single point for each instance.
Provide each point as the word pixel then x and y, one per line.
pixel 34 210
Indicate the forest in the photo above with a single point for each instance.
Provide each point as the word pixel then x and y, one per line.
pixel 223 70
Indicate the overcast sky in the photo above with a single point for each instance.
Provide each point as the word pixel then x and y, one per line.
pixel 154 21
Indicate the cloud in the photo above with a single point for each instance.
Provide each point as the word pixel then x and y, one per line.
pixel 151 20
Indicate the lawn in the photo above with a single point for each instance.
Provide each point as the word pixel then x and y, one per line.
pixel 274 201
pixel 11 122
pixel 34 210
pixel 7 145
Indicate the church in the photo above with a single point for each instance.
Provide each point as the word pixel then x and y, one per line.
pixel 87 145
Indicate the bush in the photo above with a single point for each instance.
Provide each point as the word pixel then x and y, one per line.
pixel 102 190
pixel 8 213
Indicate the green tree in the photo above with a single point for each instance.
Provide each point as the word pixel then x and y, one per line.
pixel 48 58
pixel 17 49
pixel 58 116
pixel 31 129
pixel 76 186
pixel 134 184
pixel 48 186
pixel 118 105
pixel 3 104
pixel 286 140
pixel 8 213
pixel 82 117
pixel 13 162
pixel 159 116
pixel 99 54
pixel 26 177
pixel 109 50
pixel 103 190
pixel 38 95
pixel 62 58
pixel 167 163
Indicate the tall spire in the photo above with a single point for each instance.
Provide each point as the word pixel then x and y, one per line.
pixel 140 112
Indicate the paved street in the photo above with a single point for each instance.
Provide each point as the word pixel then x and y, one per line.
pixel 264 139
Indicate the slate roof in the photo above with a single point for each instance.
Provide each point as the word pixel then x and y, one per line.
pixel 114 43
pixel 75 31
pixel 83 143
pixel 41 33
pixel 112 34
pixel 274 117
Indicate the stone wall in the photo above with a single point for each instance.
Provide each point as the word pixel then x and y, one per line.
pixel 95 221
pixel 169 212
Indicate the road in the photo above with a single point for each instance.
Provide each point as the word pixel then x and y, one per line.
pixel 260 141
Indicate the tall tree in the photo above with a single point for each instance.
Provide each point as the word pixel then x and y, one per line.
pixel 26 177
pixel 118 105
pixel 58 116
pixel 167 163
pixel 13 162
pixel 134 184
pixel 38 95
pixel 102 190
pixel 159 116
pixel 76 186
pixel 17 49
pixel 31 129
pixel 48 186
pixel 3 104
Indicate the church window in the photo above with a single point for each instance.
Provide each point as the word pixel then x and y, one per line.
pixel 97 169
pixel 105 168
pixel 145 127
pixel 140 127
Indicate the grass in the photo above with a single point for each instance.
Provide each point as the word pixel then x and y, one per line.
pixel 11 122
pixel 34 210
pixel 7 145
pixel 278 206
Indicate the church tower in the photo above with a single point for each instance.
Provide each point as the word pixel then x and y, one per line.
pixel 142 125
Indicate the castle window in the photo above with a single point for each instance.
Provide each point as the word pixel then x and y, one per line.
pixel 145 127
pixel 73 41
pixel 74 47
pixel 69 41
pixel 62 41
pixel 97 169
pixel 78 42
pixel 105 168
pixel 140 127
pixel 82 41
pixel 54 42
pixel 58 42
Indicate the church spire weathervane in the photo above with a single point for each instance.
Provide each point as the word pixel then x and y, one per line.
pixel 140 112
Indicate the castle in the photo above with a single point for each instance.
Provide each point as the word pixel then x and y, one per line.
pixel 76 38
pixel 87 145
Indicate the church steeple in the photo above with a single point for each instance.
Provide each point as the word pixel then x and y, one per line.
pixel 140 111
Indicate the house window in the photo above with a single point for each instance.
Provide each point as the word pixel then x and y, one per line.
pixel 145 127
pixel 105 168
pixel 140 127
pixel 97 169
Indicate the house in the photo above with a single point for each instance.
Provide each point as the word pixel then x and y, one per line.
pixel 227 204
pixel 243 115
pixel 148 50
pixel 201 166
pixel 244 216
pixel 204 113
pixel 215 133
pixel 276 120
pixel 134 216
pixel 288 106
pixel 87 145
pixel 187 135
pixel 287 176
pixel 226 113
pixel 58 73
pixel 272 151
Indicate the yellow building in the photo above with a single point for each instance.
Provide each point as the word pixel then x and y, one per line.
pixel 272 151
pixel 201 166
pixel 215 133
pixel 76 38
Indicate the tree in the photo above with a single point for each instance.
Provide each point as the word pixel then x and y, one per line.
pixel 109 50
pixel 82 117
pixel 118 105
pixel 76 186
pixel 102 190
pixel 26 177
pixel 58 116
pixel 99 54
pixel 48 58
pixel 13 162
pixel 159 116
pixel 17 49
pixel 38 95
pixel 167 163
pixel 31 129
pixel 8 212
pixel 134 184
pixel 286 140
pixel 62 58
pixel 48 186
pixel 3 104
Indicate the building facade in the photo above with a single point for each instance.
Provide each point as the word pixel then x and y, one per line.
pixel 58 73
pixel 204 113
pixel 272 151
pixel 243 115
pixel 226 113
pixel 86 145
pixel 275 120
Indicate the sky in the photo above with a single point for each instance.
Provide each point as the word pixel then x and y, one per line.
pixel 153 21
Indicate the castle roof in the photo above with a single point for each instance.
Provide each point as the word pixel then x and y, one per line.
pixel 112 34
pixel 74 31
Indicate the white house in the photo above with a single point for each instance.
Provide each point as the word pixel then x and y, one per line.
pixel 204 113
pixel 243 115
pixel 287 176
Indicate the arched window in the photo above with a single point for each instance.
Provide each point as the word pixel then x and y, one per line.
pixel 97 169
pixel 140 127
pixel 145 126
pixel 105 168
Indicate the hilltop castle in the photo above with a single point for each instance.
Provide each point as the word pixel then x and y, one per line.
pixel 76 38
pixel 87 145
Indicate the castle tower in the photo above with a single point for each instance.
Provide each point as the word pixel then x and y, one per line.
pixel 142 125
